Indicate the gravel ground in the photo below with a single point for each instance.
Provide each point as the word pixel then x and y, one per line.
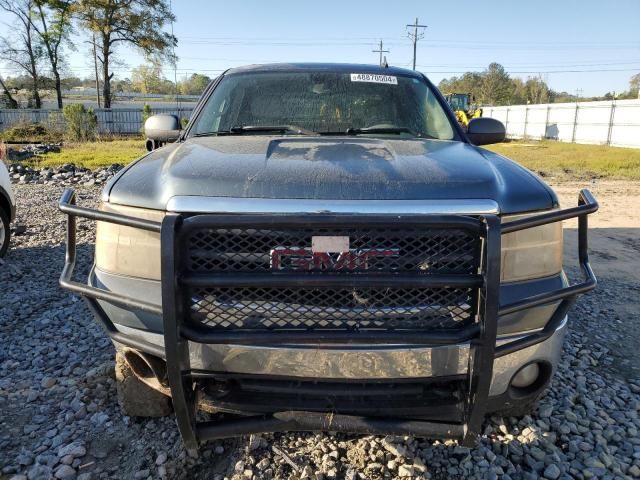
pixel 59 415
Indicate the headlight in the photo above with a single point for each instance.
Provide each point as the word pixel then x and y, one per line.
pixel 531 253
pixel 126 250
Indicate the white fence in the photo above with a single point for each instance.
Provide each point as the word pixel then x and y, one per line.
pixel 119 121
pixel 615 123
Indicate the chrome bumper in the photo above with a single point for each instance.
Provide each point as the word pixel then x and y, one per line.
pixel 361 363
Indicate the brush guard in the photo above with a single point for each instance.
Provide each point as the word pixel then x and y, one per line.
pixel 178 331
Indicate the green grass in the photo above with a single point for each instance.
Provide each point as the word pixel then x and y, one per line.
pixel 94 154
pixel 550 158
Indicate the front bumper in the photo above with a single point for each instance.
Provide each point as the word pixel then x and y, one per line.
pixel 401 362
pixel 472 352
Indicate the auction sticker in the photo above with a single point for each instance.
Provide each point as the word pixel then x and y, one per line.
pixel 372 78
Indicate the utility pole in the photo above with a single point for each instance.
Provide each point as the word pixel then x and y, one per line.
pixel 578 94
pixel 381 51
pixel 95 66
pixel 415 36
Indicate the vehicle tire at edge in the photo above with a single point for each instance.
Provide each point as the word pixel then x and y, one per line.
pixel 4 218
pixel 137 399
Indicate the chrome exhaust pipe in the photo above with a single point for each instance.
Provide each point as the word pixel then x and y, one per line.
pixel 149 369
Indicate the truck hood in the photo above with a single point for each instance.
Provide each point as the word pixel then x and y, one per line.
pixel 327 168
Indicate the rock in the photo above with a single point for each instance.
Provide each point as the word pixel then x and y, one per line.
pixel 552 472
pixel 161 458
pixel 545 411
pixel 255 441
pixel 307 472
pixel 39 472
pixel 75 449
pixel 394 448
pixel 48 382
pixel 405 471
pixel 65 472
pixel 25 459
pixel 351 474
pixel 102 447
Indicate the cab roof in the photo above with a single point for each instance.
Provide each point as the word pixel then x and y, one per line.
pixel 325 67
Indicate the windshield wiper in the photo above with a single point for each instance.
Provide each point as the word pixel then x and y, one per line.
pixel 374 130
pixel 381 130
pixel 240 129
pixel 272 128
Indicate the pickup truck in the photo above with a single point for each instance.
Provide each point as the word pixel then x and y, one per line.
pixel 323 248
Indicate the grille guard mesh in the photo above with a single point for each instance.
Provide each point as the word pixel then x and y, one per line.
pixel 382 250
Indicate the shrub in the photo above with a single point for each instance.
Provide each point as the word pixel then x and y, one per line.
pixel 146 113
pixel 82 123
pixel 28 132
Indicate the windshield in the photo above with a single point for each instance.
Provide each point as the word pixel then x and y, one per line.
pixel 323 103
pixel 459 101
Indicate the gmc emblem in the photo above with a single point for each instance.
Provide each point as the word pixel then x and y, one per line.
pixel 304 259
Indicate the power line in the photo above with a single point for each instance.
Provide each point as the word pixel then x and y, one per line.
pixel 443 43
pixel 381 51
pixel 372 40
pixel 415 36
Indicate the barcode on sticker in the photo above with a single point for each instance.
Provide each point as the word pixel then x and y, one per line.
pixel 372 78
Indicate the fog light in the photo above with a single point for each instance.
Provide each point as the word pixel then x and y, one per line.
pixel 526 376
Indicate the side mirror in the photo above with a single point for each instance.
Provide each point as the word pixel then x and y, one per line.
pixel 482 131
pixel 160 129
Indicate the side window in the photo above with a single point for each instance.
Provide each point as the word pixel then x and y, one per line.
pixel 437 124
pixel 221 110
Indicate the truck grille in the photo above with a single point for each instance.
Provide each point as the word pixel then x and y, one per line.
pixel 407 250
pixel 382 251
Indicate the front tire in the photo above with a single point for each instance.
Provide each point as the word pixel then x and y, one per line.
pixel 136 398
pixel 5 232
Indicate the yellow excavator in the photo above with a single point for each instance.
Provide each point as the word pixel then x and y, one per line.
pixel 464 107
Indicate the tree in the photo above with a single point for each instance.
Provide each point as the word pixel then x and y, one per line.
pixel 634 86
pixel 493 86
pixel 6 97
pixel 23 51
pixel 496 87
pixel 70 82
pixel 533 90
pixel 122 85
pixel 470 82
pixel 136 22
pixel 52 23
pixel 194 85
pixel 148 78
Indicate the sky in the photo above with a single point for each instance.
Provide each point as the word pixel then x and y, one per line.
pixel 590 47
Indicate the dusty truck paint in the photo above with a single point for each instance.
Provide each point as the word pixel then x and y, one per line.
pixel 415 321
pixel 329 169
